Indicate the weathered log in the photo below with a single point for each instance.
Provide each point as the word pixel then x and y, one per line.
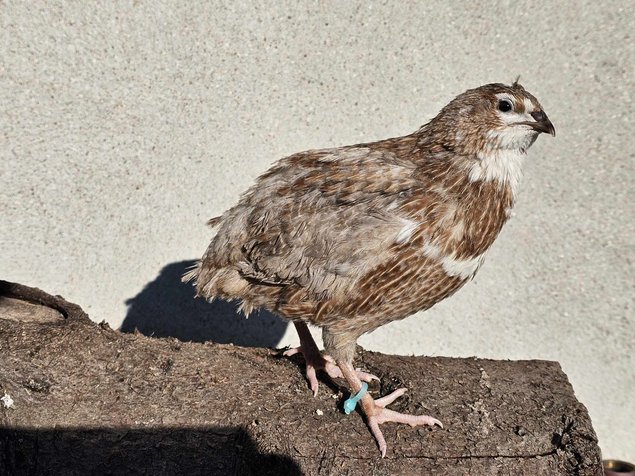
pixel 91 400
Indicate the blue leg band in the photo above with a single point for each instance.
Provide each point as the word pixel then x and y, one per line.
pixel 351 403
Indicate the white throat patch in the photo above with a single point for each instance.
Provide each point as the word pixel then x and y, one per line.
pixel 502 161
pixel 503 166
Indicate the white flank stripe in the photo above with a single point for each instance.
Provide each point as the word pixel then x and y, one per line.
pixel 393 206
pixel 463 268
pixel 406 232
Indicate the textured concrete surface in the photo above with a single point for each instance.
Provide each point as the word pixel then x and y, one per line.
pixel 124 126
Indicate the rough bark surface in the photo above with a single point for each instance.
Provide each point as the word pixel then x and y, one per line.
pixel 91 400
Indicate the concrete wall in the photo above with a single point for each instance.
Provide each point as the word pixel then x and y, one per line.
pixel 124 126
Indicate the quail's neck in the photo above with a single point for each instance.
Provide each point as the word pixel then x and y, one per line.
pixel 437 135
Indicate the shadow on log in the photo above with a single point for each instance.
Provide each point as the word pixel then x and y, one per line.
pixel 85 399
pixel 166 307
pixel 211 450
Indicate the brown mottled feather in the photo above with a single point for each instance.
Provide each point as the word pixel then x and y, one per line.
pixel 323 235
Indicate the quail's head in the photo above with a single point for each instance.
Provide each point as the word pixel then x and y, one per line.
pixel 490 117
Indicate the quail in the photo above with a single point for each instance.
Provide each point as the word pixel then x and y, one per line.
pixel 351 238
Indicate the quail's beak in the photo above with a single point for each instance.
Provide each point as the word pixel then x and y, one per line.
pixel 542 124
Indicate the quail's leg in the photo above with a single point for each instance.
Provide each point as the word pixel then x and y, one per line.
pixel 316 361
pixel 375 410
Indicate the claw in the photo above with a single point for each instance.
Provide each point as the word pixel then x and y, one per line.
pixel 290 352
pixel 375 410
pixel 315 361
pixel 376 414
pixel 391 397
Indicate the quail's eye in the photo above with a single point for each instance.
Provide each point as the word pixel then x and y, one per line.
pixel 504 105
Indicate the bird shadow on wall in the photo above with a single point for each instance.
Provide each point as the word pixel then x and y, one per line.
pixel 166 307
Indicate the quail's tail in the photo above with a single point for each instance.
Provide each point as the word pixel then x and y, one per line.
pixel 192 273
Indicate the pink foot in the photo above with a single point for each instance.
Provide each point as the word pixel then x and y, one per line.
pixel 376 414
pixel 316 361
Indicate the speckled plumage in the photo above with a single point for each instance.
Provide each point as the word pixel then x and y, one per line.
pixel 352 238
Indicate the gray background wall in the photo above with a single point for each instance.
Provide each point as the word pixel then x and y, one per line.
pixel 124 126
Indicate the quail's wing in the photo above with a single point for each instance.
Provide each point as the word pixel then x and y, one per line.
pixel 320 219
